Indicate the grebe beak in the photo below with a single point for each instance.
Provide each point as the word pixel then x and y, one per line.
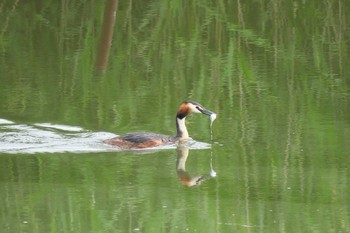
pixel 205 111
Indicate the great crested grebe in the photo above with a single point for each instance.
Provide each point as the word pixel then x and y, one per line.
pixel 145 140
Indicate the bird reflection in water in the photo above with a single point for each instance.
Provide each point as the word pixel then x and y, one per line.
pixel 185 177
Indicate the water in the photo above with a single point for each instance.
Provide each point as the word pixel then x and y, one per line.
pixel 212 119
pixel 54 138
pixel 49 138
pixel 276 160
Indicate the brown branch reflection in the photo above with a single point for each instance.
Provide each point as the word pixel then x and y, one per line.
pixel 185 177
pixel 111 7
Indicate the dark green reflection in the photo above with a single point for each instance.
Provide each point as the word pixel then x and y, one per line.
pixel 275 72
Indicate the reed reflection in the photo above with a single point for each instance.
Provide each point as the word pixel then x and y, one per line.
pixel 185 177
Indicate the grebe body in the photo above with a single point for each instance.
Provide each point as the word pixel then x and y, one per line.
pixel 142 140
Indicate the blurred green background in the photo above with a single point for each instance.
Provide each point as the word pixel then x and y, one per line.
pixel 275 72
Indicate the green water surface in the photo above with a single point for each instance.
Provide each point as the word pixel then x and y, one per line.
pixel 275 72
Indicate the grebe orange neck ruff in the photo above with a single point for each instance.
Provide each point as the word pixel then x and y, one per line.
pixel 146 140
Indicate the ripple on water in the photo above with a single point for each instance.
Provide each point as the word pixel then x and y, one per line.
pixel 55 138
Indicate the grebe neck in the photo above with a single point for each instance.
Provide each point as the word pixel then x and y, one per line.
pixel 182 133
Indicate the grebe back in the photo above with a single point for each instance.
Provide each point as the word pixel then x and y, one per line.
pixel 141 140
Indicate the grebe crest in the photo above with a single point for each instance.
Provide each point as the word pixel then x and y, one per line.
pixel 142 140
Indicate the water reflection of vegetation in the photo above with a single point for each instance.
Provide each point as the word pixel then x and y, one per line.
pixel 168 44
pixel 275 70
pixel 80 193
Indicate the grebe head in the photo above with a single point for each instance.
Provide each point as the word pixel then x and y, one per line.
pixel 189 106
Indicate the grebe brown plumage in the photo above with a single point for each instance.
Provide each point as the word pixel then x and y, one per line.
pixel 145 140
